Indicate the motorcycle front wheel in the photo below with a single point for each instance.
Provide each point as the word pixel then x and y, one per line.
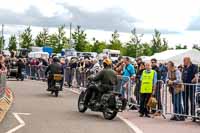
pixel 109 114
pixel 81 106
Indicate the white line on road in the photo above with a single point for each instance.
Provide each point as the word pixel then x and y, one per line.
pixel 21 122
pixel 129 123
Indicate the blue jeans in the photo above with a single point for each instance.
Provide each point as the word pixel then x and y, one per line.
pixel 189 95
pixel 177 103
pixel 123 89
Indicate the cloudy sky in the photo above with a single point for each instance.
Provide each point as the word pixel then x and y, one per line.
pixel 178 20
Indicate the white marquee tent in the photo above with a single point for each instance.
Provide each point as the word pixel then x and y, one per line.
pixel 177 56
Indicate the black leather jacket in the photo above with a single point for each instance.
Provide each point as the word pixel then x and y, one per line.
pixel 55 68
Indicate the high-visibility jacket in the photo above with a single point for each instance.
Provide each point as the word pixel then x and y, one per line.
pixel 147 82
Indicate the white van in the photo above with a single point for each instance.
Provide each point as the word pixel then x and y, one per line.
pixel 70 52
pixel 112 54
pixel 90 54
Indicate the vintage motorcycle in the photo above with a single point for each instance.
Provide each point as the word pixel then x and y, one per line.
pixel 110 102
pixel 56 84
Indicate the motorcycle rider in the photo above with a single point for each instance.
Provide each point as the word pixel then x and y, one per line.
pixel 54 68
pixel 107 79
pixel 21 66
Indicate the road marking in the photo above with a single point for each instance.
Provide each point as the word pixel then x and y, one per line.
pixel 74 91
pixel 129 123
pixel 21 122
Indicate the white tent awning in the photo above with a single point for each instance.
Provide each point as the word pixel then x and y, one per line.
pixel 177 56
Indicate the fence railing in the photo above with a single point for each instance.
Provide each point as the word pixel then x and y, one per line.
pixel 35 72
pixel 183 100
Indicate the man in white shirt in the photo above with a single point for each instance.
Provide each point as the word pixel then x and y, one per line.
pixel 96 67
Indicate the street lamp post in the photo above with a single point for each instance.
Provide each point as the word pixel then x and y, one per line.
pixel 70 35
pixel 2 38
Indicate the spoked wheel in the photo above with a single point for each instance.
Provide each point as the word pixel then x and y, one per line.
pixel 109 114
pixel 81 106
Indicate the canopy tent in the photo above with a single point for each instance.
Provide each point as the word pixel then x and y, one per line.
pixel 177 56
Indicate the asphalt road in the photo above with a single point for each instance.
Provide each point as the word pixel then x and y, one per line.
pixel 54 115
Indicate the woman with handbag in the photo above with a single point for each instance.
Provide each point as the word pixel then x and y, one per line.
pixel 175 87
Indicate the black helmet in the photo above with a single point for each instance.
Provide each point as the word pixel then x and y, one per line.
pixel 55 59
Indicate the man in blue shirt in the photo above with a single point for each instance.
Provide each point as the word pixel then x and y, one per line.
pixel 127 75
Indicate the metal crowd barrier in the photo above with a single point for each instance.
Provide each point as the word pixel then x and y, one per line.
pixel 183 100
pixel 74 77
pixel 35 72
pixel 41 72
pixel 2 84
pixel 125 88
pixel 158 95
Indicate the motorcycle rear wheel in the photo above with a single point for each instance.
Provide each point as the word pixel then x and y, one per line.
pixel 56 93
pixel 109 114
pixel 81 106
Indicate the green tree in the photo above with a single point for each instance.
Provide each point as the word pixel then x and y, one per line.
pixel 2 43
pixel 115 42
pixel 58 41
pixel 170 48
pixel 12 43
pixel 26 39
pixel 165 45
pixel 53 40
pixel 196 46
pixel 65 42
pixel 79 37
pixel 158 44
pixel 88 48
pixel 62 39
pixel 179 46
pixel 146 49
pixel 42 39
pixel 133 47
pixel 98 46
